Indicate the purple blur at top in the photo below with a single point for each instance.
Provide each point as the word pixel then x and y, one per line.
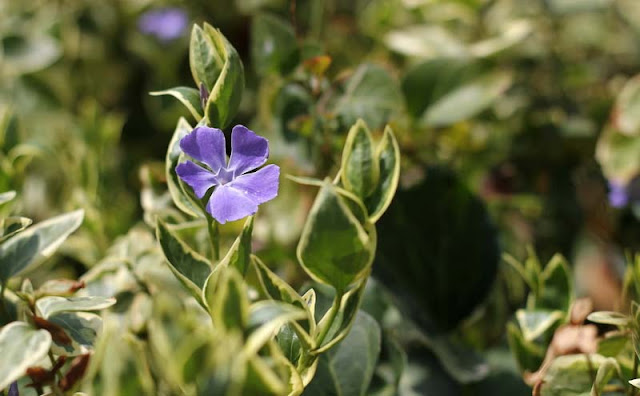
pixel 166 24
pixel 238 192
pixel 618 196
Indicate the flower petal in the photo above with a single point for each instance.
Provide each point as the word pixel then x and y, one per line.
pixel 248 150
pixel 206 145
pixel 229 204
pixel 197 177
pixel 260 186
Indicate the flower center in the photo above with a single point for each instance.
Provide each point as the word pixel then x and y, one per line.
pixel 224 176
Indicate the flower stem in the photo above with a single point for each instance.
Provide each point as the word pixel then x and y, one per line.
pixel 3 302
pixel 214 237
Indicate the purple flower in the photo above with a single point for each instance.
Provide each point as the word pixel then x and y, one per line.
pixel 238 193
pixel 618 196
pixel 166 24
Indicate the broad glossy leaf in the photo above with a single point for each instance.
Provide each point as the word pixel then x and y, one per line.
pixel 273 44
pixel 189 97
pixel 191 269
pixel 334 247
pixel 181 199
pixel 388 157
pixel 360 170
pixel 49 306
pixel 348 368
pixel 29 248
pixel 22 346
pixel 205 60
pixel 370 94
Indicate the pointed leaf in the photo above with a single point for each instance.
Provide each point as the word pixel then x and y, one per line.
pixel 29 248
pixel 48 306
pixel 7 197
pixel 180 197
pixel 388 157
pixel 360 169
pixel 189 97
pixel 191 269
pixel 230 304
pixel 334 247
pixel 12 225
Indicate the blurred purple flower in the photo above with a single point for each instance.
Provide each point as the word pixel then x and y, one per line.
pixel 13 389
pixel 618 196
pixel 238 193
pixel 166 24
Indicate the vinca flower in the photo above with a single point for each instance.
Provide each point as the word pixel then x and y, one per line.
pixel 618 196
pixel 237 192
pixel 166 24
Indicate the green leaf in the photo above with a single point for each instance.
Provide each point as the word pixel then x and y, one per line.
pixel 536 323
pixel 370 94
pixel 466 101
pixel 226 94
pixel 22 346
pixel 261 380
pixel 635 382
pixel 626 116
pixel 610 318
pixel 618 156
pixel 572 375
pixel 190 97
pixel 557 285
pixel 274 287
pixel 191 269
pixel 229 305
pixel 347 311
pixel 334 247
pixel 360 169
pixel 273 44
pixel 180 197
pixel 12 225
pixel 528 355
pixel 29 248
pixel 388 157
pixel 239 254
pixel 7 197
pixel 82 327
pixel 204 59
pixel 49 306
pixel 347 369
pixel 265 320
pixel 613 343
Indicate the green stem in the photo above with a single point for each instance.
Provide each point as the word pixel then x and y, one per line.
pixel 3 305
pixel 333 311
pixel 214 237
pixel 54 385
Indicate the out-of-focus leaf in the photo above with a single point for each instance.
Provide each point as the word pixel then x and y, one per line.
pixel 534 324
pixel 425 42
pixel 12 225
pixel 22 346
pixel 49 306
pixel 29 248
pixel 265 319
pixel 371 94
pixel 557 290
pixel 467 100
pixel 27 54
pixel 273 44
pixel 229 305
pixel 348 368
pixel 571 375
pixel 7 197
pixel 610 318
pixel 617 153
pixel 82 327
pixel 189 97
pixel 431 234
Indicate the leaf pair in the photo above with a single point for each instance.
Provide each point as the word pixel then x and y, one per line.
pixel 218 71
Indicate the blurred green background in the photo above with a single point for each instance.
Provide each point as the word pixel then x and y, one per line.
pixel 518 120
